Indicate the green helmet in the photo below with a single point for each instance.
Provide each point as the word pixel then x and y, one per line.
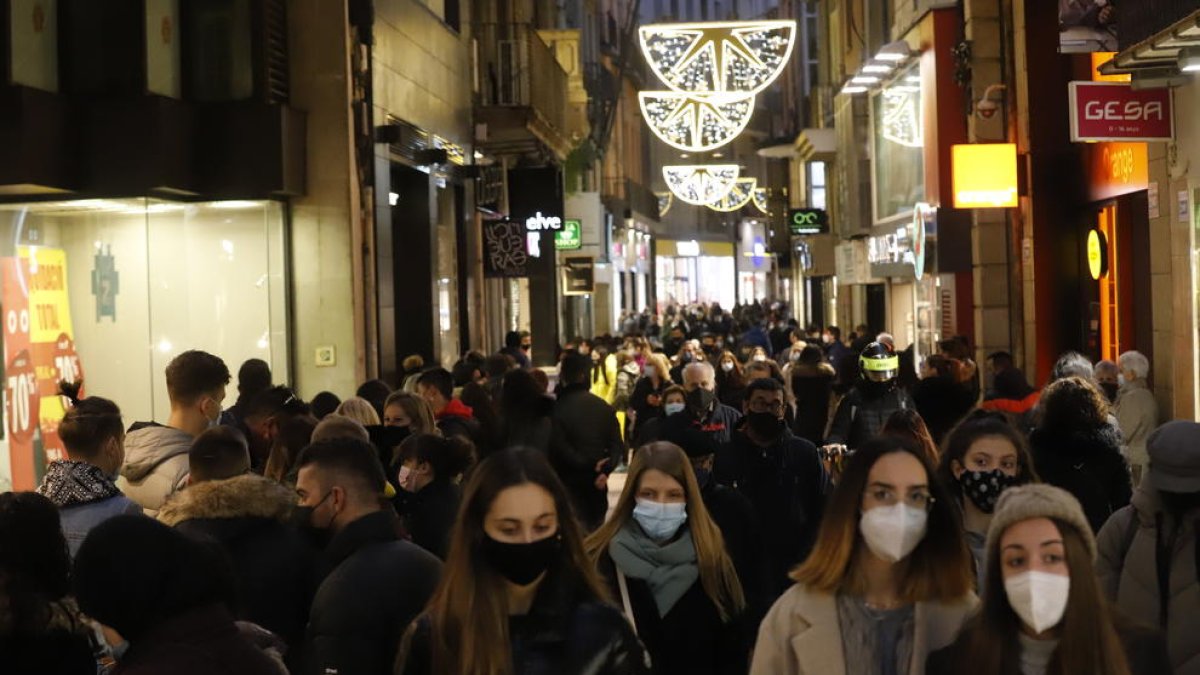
pixel 879 363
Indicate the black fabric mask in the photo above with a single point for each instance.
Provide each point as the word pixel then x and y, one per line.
pixel 302 520
pixel 700 400
pixel 522 563
pixel 686 357
pixel 983 488
pixel 764 424
pixel 1110 390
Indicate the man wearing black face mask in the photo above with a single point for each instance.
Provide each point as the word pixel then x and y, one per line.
pixel 704 411
pixel 782 476
pixel 373 584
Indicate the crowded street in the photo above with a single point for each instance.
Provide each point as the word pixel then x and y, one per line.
pixel 600 337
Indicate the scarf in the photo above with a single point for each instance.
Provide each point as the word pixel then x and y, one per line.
pixel 71 483
pixel 669 570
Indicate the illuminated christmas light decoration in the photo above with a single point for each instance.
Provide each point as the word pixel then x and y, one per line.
pixel 696 123
pixel 665 201
pixel 739 196
pixel 760 200
pixel 701 184
pixel 724 56
pixel 902 117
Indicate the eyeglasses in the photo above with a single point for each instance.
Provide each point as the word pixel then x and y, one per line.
pixel 917 499
pixel 766 407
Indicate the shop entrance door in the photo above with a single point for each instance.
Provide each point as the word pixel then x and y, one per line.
pixel 1121 316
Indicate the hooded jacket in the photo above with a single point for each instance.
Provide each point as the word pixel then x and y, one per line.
pixel 273 564
pixel 1127 567
pixel 1088 464
pixel 156 464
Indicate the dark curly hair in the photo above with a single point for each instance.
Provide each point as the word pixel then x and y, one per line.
pixel 1073 403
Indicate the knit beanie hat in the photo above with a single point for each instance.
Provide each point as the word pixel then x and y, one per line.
pixel 1038 500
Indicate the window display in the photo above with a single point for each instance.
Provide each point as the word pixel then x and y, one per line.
pixel 111 290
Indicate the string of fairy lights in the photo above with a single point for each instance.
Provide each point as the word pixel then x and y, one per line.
pixel 713 72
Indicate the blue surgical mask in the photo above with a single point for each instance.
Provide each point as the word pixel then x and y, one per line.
pixel 658 520
pixel 672 408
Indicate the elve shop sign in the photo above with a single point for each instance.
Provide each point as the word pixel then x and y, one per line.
pixel 1115 111
pixel 535 225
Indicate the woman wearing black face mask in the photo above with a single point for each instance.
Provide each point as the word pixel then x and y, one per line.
pixel 518 594
pixel 984 456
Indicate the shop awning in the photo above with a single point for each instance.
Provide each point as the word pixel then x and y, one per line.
pixel 817 145
pixel 1157 57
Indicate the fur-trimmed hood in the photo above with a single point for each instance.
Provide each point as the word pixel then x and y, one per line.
pixel 248 496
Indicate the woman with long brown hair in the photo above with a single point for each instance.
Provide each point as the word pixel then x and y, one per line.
pixel 731 383
pixel 985 455
pixel 666 561
pixel 1043 610
pixel 518 595
pixel 646 400
pixel 888 581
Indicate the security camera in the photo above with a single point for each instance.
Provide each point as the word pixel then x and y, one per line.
pixel 987 106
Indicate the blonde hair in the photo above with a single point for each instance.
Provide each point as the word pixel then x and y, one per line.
pixel 660 362
pixel 360 410
pixel 717 574
pixel 416 409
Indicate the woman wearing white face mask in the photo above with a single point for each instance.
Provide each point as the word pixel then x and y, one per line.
pixel 1043 610
pixel 667 566
pixel 731 381
pixel 889 579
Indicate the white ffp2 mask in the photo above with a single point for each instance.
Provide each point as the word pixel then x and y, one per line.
pixel 892 532
pixel 1039 598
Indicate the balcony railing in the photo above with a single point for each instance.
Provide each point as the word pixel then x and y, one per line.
pixel 520 70
pixel 1145 18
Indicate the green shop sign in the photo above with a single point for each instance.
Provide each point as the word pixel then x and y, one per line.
pixel 570 237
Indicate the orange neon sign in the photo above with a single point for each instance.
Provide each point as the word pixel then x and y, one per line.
pixel 985 175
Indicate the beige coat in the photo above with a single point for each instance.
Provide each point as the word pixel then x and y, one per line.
pixel 801 634
pixel 1137 416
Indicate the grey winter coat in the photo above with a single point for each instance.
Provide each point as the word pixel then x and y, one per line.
pixel 1126 567
pixel 156 464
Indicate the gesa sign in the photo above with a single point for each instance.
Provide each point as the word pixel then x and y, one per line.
pixel 1115 111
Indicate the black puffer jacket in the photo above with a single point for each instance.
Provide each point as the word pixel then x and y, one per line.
pixel 786 484
pixel 377 585
pixel 429 515
pixel 273 564
pixel 862 413
pixel 1086 463
pixel 559 636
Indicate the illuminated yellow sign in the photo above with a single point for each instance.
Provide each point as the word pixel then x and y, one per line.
pixel 1097 254
pixel 985 175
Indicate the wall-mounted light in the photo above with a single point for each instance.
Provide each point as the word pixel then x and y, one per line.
pixel 894 51
pixel 854 89
pixel 1189 60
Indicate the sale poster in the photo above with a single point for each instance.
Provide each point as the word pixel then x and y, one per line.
pixel 39 352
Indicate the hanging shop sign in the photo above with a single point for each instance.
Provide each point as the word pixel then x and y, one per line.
pixel 808 221
pixel 1097 254
pixel 985 175
pixel 570 237
pixel 1115 111
pixel 535 226
pixel 505 249
pixel 578 275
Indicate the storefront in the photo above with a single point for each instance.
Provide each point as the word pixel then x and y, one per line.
pixel 632 246
pixel 691 272
pixel 110 290
pixel 919 245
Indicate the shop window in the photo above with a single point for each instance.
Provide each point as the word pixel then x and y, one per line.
pixel 218 50
pixel 899 145
pixel 817 188
pixel 30 46
pixel 112 290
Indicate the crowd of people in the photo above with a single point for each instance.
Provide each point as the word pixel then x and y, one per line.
pixel 787 501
